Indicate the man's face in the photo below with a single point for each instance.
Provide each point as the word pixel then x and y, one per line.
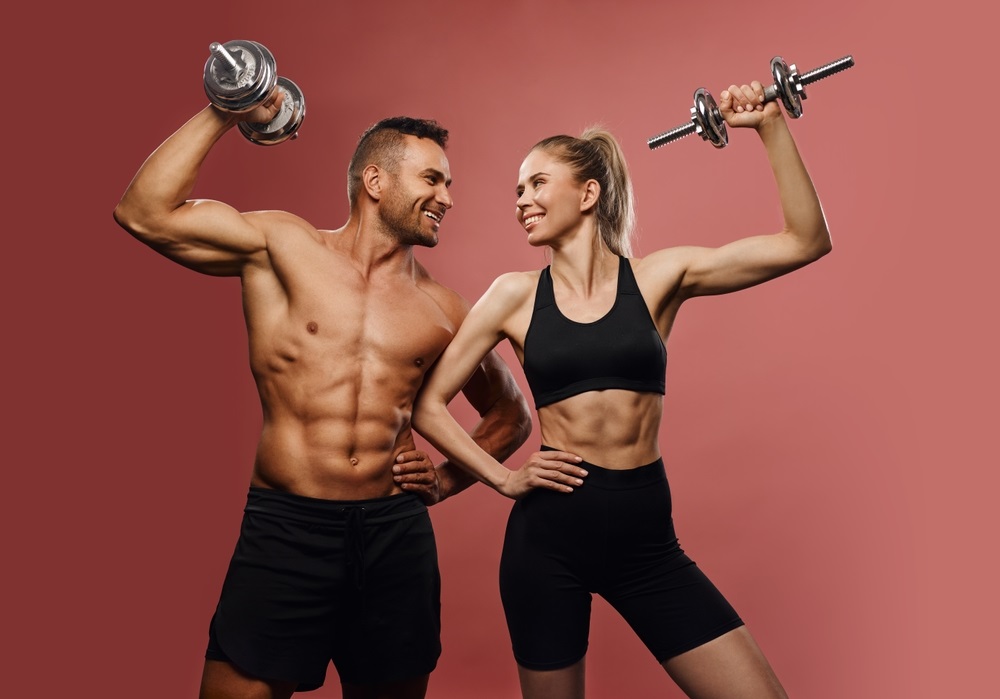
pixel 416 196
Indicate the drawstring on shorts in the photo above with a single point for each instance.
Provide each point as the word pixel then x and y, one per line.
pixel 356 543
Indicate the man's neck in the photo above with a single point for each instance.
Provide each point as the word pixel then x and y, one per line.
pixel 371 247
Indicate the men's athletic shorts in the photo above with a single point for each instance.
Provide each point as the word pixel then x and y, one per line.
pixel 313 580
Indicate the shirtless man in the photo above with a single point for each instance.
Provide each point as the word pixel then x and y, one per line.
pixel 336 556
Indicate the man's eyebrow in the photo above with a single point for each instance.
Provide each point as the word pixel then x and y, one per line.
pixel 438 175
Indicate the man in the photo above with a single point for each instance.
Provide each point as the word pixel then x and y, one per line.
pixel 336 556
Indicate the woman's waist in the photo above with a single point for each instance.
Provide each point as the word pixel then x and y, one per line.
pixel 615 473
pixel 612 444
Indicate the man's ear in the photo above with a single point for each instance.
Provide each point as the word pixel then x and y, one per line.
pixel 591 193
pixel 372 178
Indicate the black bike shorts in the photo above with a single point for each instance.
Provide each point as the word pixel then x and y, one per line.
pixel 613 536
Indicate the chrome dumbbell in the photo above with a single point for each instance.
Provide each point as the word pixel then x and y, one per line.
pixel 239 76
pixel 789 87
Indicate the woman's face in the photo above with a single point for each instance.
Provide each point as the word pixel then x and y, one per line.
pixel 548 198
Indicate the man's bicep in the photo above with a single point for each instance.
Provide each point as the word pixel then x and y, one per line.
pixel 209 237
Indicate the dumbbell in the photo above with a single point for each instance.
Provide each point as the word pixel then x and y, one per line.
pixel 789 87
pixel 239 76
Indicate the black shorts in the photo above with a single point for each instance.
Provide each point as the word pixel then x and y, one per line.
pixel 613 536
pixel 312 580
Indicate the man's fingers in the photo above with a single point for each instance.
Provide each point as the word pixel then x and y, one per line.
pixel 412 462
pixel 401 474
pixel 415 485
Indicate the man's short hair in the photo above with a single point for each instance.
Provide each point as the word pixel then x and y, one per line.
pixel 382 145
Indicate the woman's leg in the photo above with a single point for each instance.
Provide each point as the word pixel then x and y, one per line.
pixel 566 683
pixel 729 666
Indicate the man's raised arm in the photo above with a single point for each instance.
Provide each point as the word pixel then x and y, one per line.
pixel 207 236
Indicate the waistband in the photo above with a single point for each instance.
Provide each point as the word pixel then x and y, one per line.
pixel 619 479
pixel 333 512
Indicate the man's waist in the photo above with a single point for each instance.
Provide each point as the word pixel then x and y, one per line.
pixel 332 512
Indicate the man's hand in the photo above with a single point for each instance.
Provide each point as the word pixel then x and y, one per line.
pixel 266 110
pixel 414 473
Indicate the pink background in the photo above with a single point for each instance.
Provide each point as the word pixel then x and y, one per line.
pixel 830 437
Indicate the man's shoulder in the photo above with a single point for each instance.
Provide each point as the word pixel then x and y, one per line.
pixel 283 224
pixel 450 301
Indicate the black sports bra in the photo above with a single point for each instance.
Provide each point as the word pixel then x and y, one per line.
pixel 563 358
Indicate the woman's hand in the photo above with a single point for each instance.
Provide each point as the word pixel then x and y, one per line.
pixel 743 106
pixel 554 470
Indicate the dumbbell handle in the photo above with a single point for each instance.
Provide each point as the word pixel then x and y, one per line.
pixel 771 93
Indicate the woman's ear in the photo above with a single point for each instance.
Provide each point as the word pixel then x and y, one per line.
pixel 591 193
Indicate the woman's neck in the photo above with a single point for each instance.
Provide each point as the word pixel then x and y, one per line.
pixel 583 265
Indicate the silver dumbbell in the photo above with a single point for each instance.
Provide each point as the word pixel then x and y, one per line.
pixel 789 87
pixel 239 76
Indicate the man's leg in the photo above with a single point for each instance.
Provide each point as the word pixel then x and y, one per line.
pixel 221 680
pixel 414 688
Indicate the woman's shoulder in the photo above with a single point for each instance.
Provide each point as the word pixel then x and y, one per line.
pixel 518 281
pixel 512 288
pixel 662 261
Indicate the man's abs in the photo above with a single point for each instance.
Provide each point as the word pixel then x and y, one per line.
pixel 332 459
pixel 338 358
pixel 337 402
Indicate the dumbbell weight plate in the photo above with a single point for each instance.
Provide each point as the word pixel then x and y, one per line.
pixel 244 89
pixel 786 87
pixel 285 123
pixel 709 123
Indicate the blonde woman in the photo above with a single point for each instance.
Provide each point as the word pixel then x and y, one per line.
pixel 590 331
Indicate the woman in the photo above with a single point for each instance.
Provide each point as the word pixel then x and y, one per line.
pixel 590 332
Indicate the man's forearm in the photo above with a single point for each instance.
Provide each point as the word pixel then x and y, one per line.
pixel 168 176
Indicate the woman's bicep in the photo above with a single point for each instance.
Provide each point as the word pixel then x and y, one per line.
pixel 741 264
pixel 476 337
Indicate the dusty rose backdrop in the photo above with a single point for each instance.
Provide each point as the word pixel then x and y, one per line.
pixel 830 437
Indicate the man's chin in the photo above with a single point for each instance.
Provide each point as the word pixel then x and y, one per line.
pixel 425 241
pixel 422 239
